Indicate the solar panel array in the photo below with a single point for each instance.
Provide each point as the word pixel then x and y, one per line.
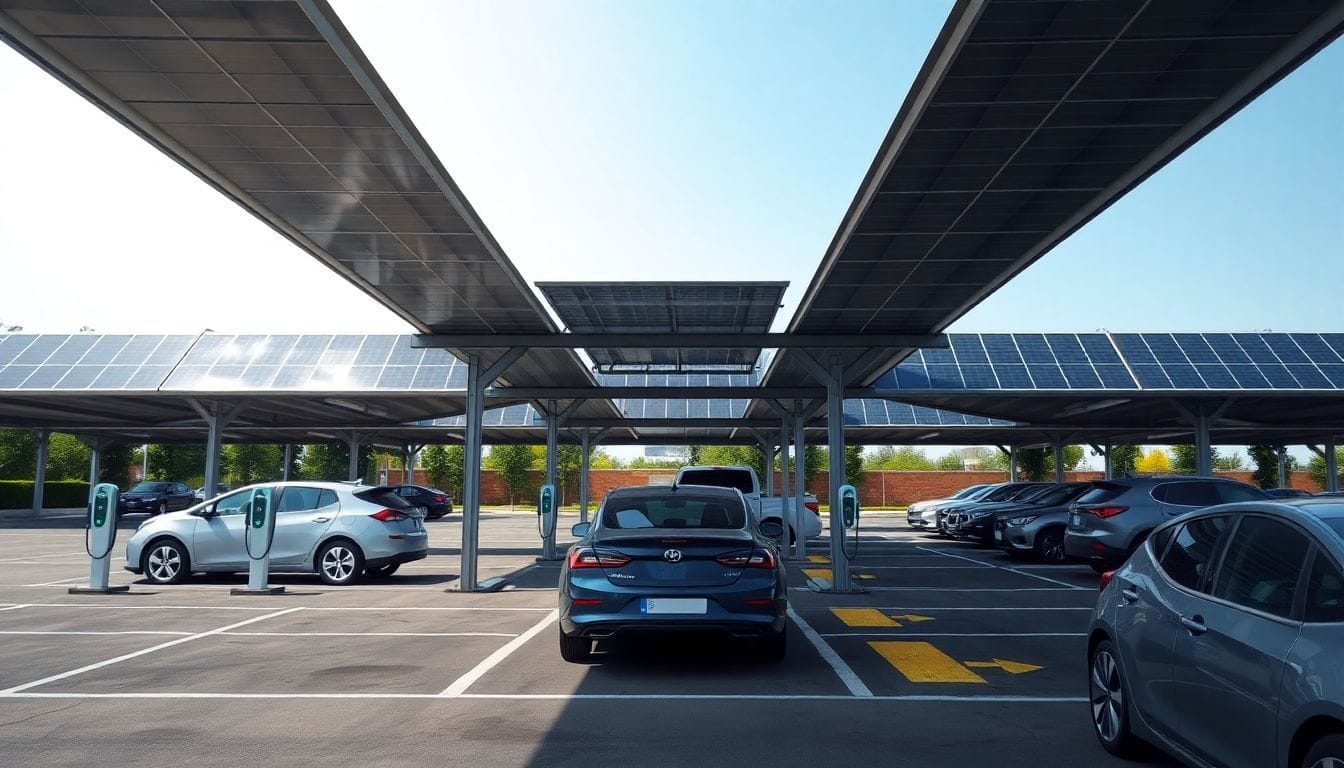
pixel 522 415
pixel 225 363
pixel 1125 361
pixel 884 413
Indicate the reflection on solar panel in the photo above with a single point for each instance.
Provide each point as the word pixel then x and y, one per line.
pixel 1125 361
pixel 678 379
pixel 225 363
pixel 508 416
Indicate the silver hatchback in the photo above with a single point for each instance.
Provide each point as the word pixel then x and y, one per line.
pixel 1222 639
pixel 337 530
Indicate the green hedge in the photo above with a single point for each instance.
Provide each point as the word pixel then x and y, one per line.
pixel 18 494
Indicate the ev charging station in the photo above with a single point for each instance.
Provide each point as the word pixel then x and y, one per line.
pixel 100 536
pixel 258 535
pixel 849 506
pixel 547 515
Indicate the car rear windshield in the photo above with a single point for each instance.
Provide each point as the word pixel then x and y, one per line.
pixel 964 492
pixel 1337 523
pixel 1056 495
pixel 690 511
pixel 383 496
pixel 719 478
pixel 149 488
pixel 1101 493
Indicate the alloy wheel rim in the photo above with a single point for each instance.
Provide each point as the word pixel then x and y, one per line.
pixel 1053 549
pixel 164 563
pixel 338 563
pixel 1108 697
pixel 1328 762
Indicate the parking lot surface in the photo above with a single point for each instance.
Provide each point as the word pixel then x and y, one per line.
pixel 953 653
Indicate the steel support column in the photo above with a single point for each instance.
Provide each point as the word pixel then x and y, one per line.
pixel 477 381
pixel 214 438
pixel 352 442
pixel 1059 460
pixel 799 473
pixel 43 438
pixel 552 443
pixel 1012 463
pixel 95 457
pixel 1331 470
pixel 835 432
pixel 768 471
pixel 1283 466
pixel 583 475
pixel 1203 445
pixel 1108 463
pixel 785 511
pixel 289 459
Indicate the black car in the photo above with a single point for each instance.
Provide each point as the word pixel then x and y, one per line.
pixel 156 498
pixel 978 523
pixel 436 503
pixel 1286 493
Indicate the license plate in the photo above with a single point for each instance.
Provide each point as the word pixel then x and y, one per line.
pixel 674 605
pixel 1076 521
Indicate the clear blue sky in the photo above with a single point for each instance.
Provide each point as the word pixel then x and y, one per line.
pixel 621 140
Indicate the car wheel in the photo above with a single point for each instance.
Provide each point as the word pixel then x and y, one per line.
pixel 1050 545
pixel 340 563
pixel 165 562
pixel 792 536
pixel 163 508
pixel 774 647
pixel 1328 752
pixel 575 649
pixel 382 571
pixel 1110 702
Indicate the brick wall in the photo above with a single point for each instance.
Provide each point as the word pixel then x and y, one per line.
pixel 881 488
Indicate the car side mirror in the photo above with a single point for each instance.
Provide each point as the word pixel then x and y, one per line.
pixel 207 511
pixel 581 529
pixel 771 529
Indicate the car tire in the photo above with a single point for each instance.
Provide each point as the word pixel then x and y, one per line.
pixel 1326 752
pixel 793 537
pixel 382 571
pixel 774 647
pixel 575 650
pixel 165 561
pixel 163 508
pixel 339 563
pixel 1050 545
pixel 1108 697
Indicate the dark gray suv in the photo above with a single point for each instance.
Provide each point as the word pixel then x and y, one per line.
pixel 1109 522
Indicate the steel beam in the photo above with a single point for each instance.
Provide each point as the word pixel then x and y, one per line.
pixel 1331 471
pixel 352 442
pixel 678 340
pixel 289 459
pixel 43 438
pixel 471 477
pixel 552 445
pixel 1203 444
pixel 785 512
pixel 1012 463
pixel 835 430
pixel 1283 466
pixel 799 473
pixel 583 476
pixel 1058 446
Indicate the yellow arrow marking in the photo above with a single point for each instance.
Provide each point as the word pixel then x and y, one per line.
pixel 817 573
pixel 913 618
pixel 864 576
pixel 1011 667
pixel 818 559
pixel 922 663
pixel 863 617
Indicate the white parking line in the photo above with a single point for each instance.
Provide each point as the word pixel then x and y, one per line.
pixel 257 609
pixel 1025 699
pixel 56 583
pixel 461 684
pixel 827 610
pixel 63 632
pixel 14 607
pixel 370 634
pixel 954 634
pixel 973 589
pixel 853 682
pixel 142 652
pixel 27 558
pixel 1003 568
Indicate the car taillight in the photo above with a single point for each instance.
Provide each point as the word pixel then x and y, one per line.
pixel 586 557
pixel 1106 580
pixel 814 506
pixel 585 601
pixel 757 558
pixel 388 515
pixel 1105 512
pixel 440 499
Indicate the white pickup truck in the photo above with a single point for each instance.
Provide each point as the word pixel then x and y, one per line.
pixel 744 479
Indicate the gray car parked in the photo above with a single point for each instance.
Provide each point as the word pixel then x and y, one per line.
pixel 1110 521
pixel 337 530
pixel 1220 639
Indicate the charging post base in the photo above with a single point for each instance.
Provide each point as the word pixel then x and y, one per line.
pixel 98 590
pixel 258 535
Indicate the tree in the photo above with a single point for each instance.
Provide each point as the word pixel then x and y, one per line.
pixel 182 463
pixel 68 459
pixel 247 463
pixel 814 459
pixel 445 467
pixel 512 462
pixel 1154 462
pixel 1266 460
pixel 1031 464
pixel 996 460
pixel 949 462
pixel 603 460
pixel 568 464
pixel 904 458
pixel 1185 459
pixel 1316 467
pixel 854 466
pixel 1231 463
pixel 734 455
pixel 331 462
pixel 18 454
pixel 1124 459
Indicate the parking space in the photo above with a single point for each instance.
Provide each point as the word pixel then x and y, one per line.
pixel 945 633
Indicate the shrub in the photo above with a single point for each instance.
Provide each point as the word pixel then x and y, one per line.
pixel 18 494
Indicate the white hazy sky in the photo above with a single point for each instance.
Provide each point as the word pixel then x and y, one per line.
pixel 601 139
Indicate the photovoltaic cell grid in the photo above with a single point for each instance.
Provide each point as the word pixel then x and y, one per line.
pixel 509 416
pixel 225 363
pixel 1125 361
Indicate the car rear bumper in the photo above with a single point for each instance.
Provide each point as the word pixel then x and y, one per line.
pixel 398 558
pixel 603 626
pixel 1094 546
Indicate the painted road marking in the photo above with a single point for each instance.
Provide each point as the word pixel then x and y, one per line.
pixel 842 670
pixel 1011 667
pixel 921 662
pixel 863 617
pixel 818 559
pixel 817 573
pixel 461 684
pixel 913 618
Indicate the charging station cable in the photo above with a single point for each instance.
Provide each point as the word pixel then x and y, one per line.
pixel 249 535
pixel 88 531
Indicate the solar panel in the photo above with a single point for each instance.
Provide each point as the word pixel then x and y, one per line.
pixel 1125 361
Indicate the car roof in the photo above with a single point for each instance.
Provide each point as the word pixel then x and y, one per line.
pixel 1327 508
pixel 672 490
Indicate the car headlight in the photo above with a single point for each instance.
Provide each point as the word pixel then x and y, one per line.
pixel 1022 520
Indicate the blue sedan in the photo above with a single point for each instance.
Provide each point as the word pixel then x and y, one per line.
pixel 672 559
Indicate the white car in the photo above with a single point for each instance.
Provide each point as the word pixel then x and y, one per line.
pixel 767 508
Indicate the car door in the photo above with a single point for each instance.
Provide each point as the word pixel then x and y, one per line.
pixel 218 541
pixel 1230 655
pixel 182 497
pixel 1148 616
pixel 303 514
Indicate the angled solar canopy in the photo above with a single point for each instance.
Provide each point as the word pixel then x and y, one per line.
pixel 667 308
